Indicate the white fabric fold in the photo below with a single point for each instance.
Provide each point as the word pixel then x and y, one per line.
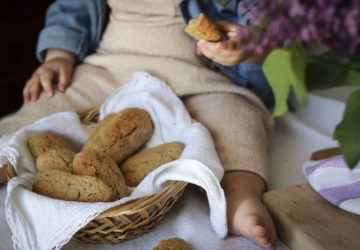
pixel 39 222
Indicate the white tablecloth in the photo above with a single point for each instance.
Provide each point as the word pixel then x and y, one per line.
pixel 296 136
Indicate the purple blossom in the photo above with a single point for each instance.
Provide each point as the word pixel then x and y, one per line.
pixel 273 23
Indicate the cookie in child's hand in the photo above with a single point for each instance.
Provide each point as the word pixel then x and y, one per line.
pixel 173 244
pixel 203 28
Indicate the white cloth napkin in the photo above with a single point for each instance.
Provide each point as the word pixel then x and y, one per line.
pixel 39 222
pixel 335 182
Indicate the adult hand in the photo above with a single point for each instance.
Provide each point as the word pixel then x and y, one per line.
pixel 58 67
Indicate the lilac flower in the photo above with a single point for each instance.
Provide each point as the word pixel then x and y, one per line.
pixel 275 23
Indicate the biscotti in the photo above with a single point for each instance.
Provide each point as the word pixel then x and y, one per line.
pixel 136 167
pixel 66 186
pixel 56 159
pixel 122 134
pixel 99 165
pixel 173 244
pixel 43 142
pixel 203 28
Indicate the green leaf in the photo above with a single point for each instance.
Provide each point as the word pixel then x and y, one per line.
pixel 299 57
pixel 329 57
pixel 276 69
pixel 323 75
pixel 347 132
pixel 352 78
pixel 355 61
pixel 285 68
pixel 328 70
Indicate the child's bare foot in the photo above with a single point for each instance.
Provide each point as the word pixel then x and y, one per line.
pixel 246 213
pixel 249 217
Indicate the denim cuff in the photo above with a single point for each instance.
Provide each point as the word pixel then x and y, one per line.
pixel 61 38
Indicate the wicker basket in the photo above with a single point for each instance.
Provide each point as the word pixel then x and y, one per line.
pixel 129 220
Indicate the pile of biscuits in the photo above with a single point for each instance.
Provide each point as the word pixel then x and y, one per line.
pixel 108 163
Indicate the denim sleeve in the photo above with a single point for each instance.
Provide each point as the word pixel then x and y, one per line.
pixel 72 26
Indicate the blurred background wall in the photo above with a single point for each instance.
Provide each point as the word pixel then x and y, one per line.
pixel 20 24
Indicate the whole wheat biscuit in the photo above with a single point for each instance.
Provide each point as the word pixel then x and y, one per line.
pixel 101 124
pixel 136 167
pixel 203 28
pixel 122 134
pixel 57 159
pixel 173 244
pixel 43 142
pixel 66 186
pixel 101 166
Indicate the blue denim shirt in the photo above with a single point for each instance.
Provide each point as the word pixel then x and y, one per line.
pixel 77 26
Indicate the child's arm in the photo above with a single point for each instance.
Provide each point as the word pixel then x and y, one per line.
pixel 229 52
pixel 74 26
pixel 58 67
pixel 72 31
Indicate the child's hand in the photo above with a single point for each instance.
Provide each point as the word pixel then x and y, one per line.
pixel 58 67
pixel 229 52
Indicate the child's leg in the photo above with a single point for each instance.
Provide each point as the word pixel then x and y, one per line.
pixel 240 132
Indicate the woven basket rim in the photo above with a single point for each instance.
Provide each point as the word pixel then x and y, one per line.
pixel 145 202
